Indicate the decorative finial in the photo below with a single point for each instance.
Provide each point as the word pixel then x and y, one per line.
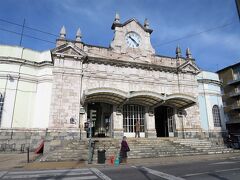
pixel 178 52
pixel 146 23
pixel 117 18
pixel 78 35
pixel 63 33
pixel 188 53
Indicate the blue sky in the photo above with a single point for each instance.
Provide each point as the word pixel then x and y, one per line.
pixel 169 19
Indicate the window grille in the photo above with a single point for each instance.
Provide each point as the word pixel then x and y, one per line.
pixel 131 113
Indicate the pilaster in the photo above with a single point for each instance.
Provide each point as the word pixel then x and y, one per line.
pixel 150 130
pixel 117 122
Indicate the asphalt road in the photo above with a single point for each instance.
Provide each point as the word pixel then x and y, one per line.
pixel 228 169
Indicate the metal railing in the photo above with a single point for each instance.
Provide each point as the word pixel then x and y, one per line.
pixel 234 81
pixel 235 92
pixel 235 106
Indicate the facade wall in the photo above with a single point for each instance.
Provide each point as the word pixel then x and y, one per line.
pixel 131 79
pixel 231 89
pixel 210 95
pixel 65 100
pixel 25 87
pixel 50 90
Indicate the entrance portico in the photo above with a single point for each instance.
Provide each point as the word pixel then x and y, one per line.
pixel 117 111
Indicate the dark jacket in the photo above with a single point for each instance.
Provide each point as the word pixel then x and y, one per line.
pixel 124 149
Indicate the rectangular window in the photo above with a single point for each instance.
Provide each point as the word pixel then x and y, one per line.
pixel 132 113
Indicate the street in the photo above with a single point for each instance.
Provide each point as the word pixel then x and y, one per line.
pixel 228 169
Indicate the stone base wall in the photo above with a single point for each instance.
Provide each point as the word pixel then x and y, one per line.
pixel 117 134
pixel 28 137
pixel 54 138
pixel 32 138
pixel 150 134
pixel 217 137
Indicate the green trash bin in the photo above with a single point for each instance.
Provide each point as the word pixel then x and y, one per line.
pixel 101 156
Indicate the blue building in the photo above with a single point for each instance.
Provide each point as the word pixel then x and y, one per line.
pixel 212 116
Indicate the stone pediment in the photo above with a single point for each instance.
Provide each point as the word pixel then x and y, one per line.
pixel 69 50
pixel 189 67
pixel 130 21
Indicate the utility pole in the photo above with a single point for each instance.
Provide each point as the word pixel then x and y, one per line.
pixel 90 143
pixel 238 7
pixel 20 44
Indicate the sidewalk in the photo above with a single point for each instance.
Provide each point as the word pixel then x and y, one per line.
pixel 19 161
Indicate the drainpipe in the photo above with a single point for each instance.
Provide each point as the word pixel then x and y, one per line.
pixel 205 100
pixel 80 96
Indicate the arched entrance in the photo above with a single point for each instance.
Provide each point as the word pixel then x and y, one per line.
pixel 164 121
pixel 101 116
pixel 100 103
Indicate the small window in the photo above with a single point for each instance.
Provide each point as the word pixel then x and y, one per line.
pixel 216 116
pixel 1 106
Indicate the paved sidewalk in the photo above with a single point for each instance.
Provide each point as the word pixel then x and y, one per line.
pixel 19 161
pixel 14 160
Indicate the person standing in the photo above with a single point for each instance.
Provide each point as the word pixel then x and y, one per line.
pixel 124 149
pixel 137 129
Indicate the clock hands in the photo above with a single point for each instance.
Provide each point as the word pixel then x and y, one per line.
pixel 134 40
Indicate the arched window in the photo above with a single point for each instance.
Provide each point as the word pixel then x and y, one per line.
pixel 216 116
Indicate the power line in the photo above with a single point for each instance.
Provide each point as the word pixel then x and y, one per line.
pixel 196 34
pixel 25 35
pixel 34 29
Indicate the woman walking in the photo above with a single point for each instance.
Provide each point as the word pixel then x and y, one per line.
pixel 124 149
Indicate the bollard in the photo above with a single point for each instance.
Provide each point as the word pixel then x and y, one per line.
pixel 27 154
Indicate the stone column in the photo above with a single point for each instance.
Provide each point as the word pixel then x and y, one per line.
pixel 117 120
pixel 149 123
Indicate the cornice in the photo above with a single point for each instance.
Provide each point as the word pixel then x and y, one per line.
pixel 210 81
pixel 121 63
pixel 9 60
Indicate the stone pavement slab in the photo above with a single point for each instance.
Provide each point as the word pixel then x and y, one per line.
pixel 14 160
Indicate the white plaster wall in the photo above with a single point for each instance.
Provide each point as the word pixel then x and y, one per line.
pixel 42 105
pixel 7 116
pixel 27 89
pixel 24 108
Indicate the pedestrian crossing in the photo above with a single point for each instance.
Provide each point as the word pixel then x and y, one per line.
pixel 66 174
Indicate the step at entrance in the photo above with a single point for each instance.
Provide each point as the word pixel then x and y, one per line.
pixel 73 150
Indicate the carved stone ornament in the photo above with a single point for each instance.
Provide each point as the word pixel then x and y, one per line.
pixel 189 66
pixel 69 50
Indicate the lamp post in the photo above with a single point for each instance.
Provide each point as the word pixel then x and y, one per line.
pixel 90 142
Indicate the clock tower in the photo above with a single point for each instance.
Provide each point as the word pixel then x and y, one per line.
pixel 132 37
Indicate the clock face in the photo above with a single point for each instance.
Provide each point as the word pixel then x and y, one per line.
pixel 133 40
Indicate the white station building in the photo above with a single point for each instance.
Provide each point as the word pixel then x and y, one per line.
pixel 59 90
